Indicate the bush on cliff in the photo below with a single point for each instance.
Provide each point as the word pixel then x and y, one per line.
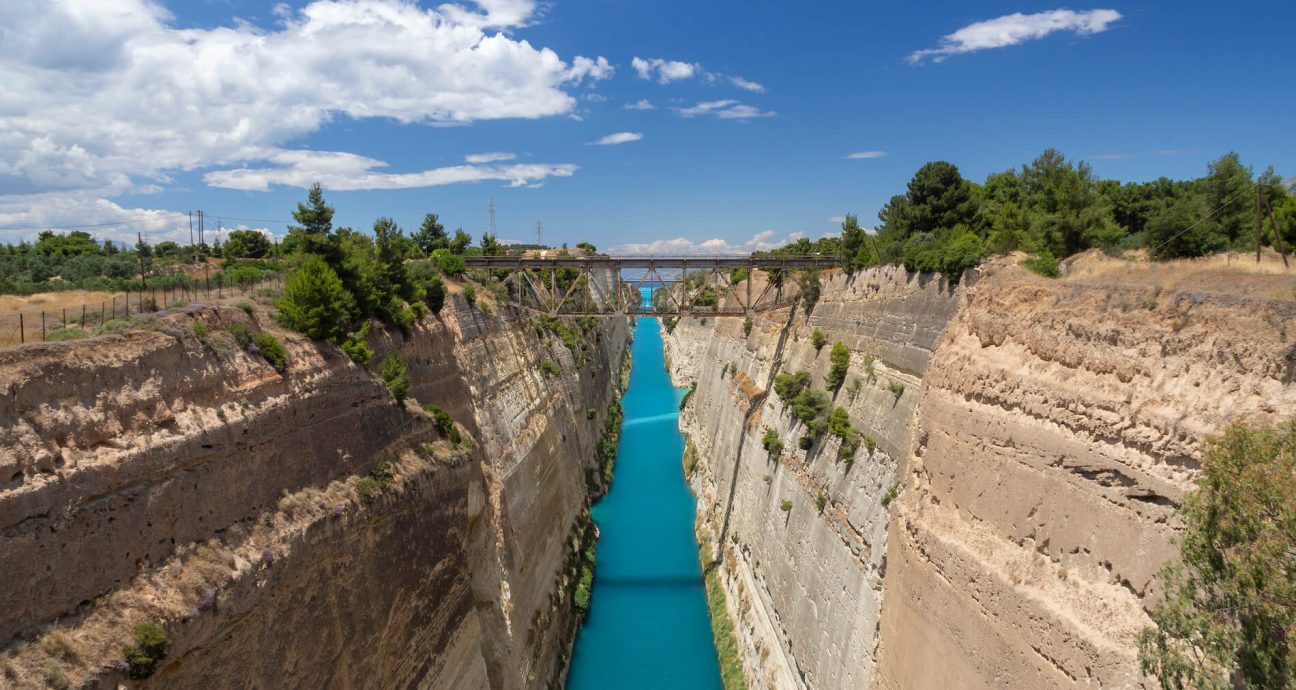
pixel 395 373
pixel 315 303
pixel 840 358
pixel 1229 616
pixel 150 647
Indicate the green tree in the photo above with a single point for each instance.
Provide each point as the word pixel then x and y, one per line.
pixel 840 359
pixel 314 235
pixel 315 303
pixel 75 243
pixel 246 244
pixel 460 243
pixel 1229 616
pixel 489 245
pixel 431 235
pixel 1226 192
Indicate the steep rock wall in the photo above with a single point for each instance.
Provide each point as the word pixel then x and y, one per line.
pixel 166 477
pixel 1030 467
pixel 804 585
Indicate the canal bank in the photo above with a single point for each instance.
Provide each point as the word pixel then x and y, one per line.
pixel 648 625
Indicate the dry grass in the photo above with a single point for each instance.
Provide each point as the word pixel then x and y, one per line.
pixel 1234 273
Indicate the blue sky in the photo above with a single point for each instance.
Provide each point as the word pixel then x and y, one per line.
pixel 130 112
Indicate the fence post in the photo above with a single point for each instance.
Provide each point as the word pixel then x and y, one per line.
pixel 22 336
pixel 42 325
pixel 114 306
pixel 65 317
pixel 102 306
pixel 83 314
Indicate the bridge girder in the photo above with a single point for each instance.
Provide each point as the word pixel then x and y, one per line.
pixel 598 286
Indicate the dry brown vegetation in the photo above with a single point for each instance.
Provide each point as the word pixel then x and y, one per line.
pixel 1233 273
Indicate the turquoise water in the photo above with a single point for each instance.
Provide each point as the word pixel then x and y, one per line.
pixel 648 625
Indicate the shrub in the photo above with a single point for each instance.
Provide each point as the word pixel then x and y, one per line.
pixel 785 506
pixel 868 361
pixel 870 445
pixel 890 495
pixel 1044 265
pixel 395 373
pixel 357 345
pixel 367 490
pixel 270 348
pixel 470 294
pixel 789 386
pixel 818 339
pixel 445 425
pixel 840 359
pixel 200 330
pixel 241 332
pixel 839 422
pixel 810 406
pixel 150 647
pixel 550 368
pixel 853 390
pixel 897 389
pixel 434 294
pixel 314 301
pixel 772 443
pixel 684 401
pixel 1227 620
pixel 805 442
pixel 247 307
pixel 63 334
pixel 590 413
pixel 821 500
pixel 450 264
pixel 747 326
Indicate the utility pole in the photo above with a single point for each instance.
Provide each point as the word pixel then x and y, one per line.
pixel 1259 200
pixel 201 240
pixel 140 250
pixel 193 254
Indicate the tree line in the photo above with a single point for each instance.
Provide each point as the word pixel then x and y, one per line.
pixel 1054 207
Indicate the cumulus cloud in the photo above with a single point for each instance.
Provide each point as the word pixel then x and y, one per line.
pixel 667 71
pixel 342 171
pixel 619 138
pixel 664 71
pixel 641 104
pixel 493 157
pixel 107 97
pixel 725 110
pixel 761 241
pixel 866 154
pixel 1012 29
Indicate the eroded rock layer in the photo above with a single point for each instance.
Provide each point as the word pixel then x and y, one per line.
pixel 1030 439
pixel 299 529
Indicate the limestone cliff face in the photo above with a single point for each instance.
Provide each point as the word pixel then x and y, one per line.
pixel 805 585
pixel 1038 435
pixel 170 478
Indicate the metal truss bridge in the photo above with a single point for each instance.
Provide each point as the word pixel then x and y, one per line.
pixel 668 286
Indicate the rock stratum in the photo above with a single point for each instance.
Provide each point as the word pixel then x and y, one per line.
pixel 1002 526
pixel 299 529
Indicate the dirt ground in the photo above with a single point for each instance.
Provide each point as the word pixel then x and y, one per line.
pixel 1234 273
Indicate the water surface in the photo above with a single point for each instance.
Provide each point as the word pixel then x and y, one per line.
pixel 648 625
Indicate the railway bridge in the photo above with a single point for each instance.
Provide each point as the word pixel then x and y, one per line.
pixel 651 285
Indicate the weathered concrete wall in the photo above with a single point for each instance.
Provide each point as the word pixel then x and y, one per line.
pixel 157 477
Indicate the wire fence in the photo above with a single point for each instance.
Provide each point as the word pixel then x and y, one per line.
pixel 73 321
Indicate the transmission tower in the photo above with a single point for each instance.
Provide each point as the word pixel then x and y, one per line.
pixel 539 229
pixel 490 216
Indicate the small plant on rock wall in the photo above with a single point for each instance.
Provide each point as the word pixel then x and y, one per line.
pixel 897 389
pixel 818 339
pixel 271 349
pixel 772 444
pixel 357 345
pixel 590 413
pixel 395 373
pixel 149 648
pixel 840 358
pixel 747 326
pixel 868 361
pixel 550 368
pixel 869 445
pixel 821 500
pixel 785 506
pixel 852 391
pixel 890 495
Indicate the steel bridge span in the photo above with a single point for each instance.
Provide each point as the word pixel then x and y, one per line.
pixel 688 285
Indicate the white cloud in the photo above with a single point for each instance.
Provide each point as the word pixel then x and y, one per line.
pixel 667 71
pixel 492 157
pixel 664 71
pixel 1016 28
pixel 837 220
pixel 725 110
pixel 641 104
pixel 618 138
pixel 107 97
pixel 336 170
pixel 866 154
pixel 747 85
pixel 761 241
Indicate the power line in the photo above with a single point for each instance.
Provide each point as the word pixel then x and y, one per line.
pixel 1204 218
